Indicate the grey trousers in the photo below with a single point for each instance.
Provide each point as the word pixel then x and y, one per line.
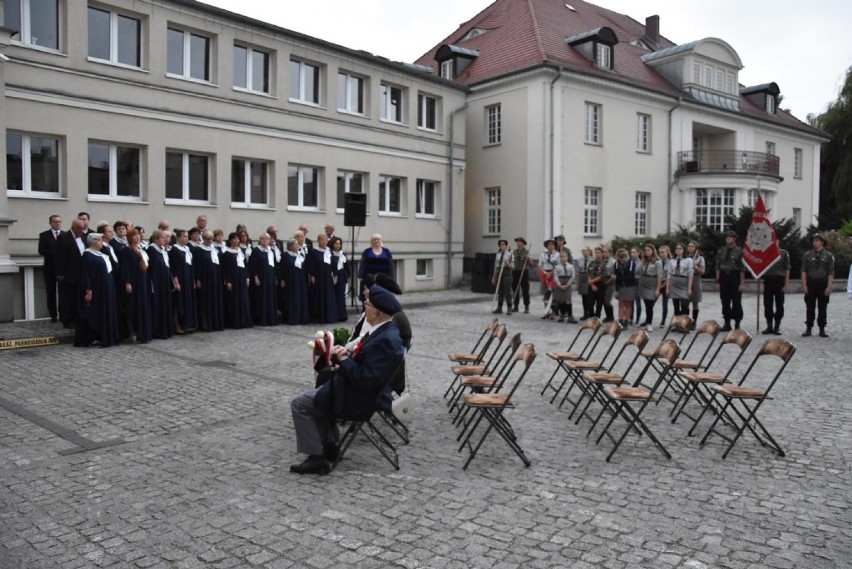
pixel 311 423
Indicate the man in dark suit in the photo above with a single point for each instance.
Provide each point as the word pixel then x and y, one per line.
pixel 68 262
pixel 47 249
pixel 363 373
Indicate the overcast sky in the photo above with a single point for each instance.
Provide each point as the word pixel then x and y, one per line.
pixel 805 47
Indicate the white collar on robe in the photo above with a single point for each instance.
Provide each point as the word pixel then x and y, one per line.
pixel 103 256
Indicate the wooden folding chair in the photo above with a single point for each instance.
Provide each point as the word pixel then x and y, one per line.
pixel 488 383
pixel 482 366
pixel 590 329
pixel 698 382
pixel 492 406
pixel 678 329
pixel 746 401
pixel 595 361
pixel 474 355
pixel 621 399
pixel 695 356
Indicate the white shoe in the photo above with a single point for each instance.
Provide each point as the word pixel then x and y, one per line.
pixel 649 328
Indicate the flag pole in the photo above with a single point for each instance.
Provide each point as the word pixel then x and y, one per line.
pixel 757 310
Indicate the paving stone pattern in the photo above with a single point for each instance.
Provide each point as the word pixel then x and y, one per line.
pixel 176 454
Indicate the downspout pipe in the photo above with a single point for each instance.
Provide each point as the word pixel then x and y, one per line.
pixel 552 152
pixel 450 192
pixel 670 172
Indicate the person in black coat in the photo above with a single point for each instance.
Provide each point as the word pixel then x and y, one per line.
pixel 263 271
pixel 183 300
pixel 340 276
pixel 162 284
pixel 321 283
pixel 68 263
pixel 236 278
pixel 208 277
pixel 134 288
pixel 47 249
pixel 292 272
pixel 97 314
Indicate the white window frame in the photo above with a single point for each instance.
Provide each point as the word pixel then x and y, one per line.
pixel 594 113
pixel 797 217
pixel 424 270
pixel 770 148
pixel 423 114
pixel 447 69
pixel 27 170
pixel 113 174
pixel 643 133
pixel 421 199
pixel 185 181
pixel 390 112
pixel 641 214
pixel 603 55
pixel 301 170
pixel 709 76
pixel 250 70
pixel 385 190
pixel 718 204
pixel 248 172
pixel 493 211
pixel 751 197
pixel 591 211
pixel 798 156
pixel 770 104
pixel 352 85
pixel 348 176
pixel 301 82
pixel 493 124
pixel 187 56
pixel 697 73
pixel 114 40
pixel 26 29
pixel 730 84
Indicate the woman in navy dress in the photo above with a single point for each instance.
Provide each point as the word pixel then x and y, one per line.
pixel 264 283
pixel 292 274
pixel 135 289
pixel 162 285
pixel 322 281
pixel 97 311
pixel 375 259
pixel 340 276
pixel 236 277
pixel 208 282
pixel 183 302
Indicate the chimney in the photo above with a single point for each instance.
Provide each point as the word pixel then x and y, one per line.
pixel 652 30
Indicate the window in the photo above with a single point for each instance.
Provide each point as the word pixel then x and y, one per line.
pixel 37 21
pixel 593 118
pixel 643 133
pixel 350 93
pixel 447 69
pixel 770 148
pixel 303 187
pixel 752 198
pixel 188 55
pixel 797 217
pixel 115 38
pixel 348 183
pixel 427 112
pixel 251 69
pixel 424 269
pixel 493 124
pixel 730 84
pixel 390 195
pixel 592 211
pixel 712 206
pixel 304 82
pixel 797 163
pixel 640 216
pixel 720 80
pixel 114 171
pixel 391 109
pixel 32 164
pixel 603 56
pixel 427 198
pixel 249 182
pixel 493 220
pixel 696 73
pixel 187 177
pixel 770 104
pixel 709 73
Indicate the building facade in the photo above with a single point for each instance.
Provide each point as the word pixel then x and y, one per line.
pixel 168 109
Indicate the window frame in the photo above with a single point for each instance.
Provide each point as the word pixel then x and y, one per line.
pixel 493 124
pixel 770 148
pixel 247 170
pixel 730 83
pixel 114 38
pixel 448 69
pixel 347 176
pixel 719 204
pixel 344 105
pixel 427 273
pixel 113 195
pixel 386 91
pixel 423 114
pixel 187 53
pixel 493 211
pixel 593 125
pixel 301 97
pixel 385 197
pixel 641 211
pixel 27 166
pixel 798 162
pixel 603 55
pixel 592 220
pixel 186 182
pixel 643 133
pixel 420 210
pixel 250 50
pixel 301 169
pixel 26 28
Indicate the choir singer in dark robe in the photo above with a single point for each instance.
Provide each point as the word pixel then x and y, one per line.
pixel 183 300
pixel 263 271
pixel 97 315
pixel 295 284
pixel 134 288
pixel 236 277
pixel 162 284
pixel 208 277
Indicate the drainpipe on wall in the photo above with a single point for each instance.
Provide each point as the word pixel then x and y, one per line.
pixel 672 182
pixel 450 177
pixel 552 157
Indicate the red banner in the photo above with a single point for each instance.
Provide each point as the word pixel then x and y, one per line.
pixel 761 249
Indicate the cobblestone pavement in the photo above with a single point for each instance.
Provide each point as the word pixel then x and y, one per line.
pixel 176 454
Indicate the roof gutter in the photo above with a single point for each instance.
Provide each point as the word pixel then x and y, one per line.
pixel 671 173
pixel 552 152
pixel 450 191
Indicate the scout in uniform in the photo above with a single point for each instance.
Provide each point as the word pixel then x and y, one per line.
pixel 502 278
pixel 775 281
pixel 521 274
pixel 817 280
pixel 729 280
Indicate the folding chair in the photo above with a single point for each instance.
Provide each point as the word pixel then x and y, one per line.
pixel 483 369
pixel 622 398
pixel 483 365
pixel 738 398
pixel 363 424
pixel 491 407
pixel 385 410
pixel 697 382
pixel 679 327
pixel 695 356
pixel 488 383
pixel 593 362
pixel 589 328
pixel 473 355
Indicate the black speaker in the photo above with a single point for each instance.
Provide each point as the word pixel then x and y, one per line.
pixel 354 210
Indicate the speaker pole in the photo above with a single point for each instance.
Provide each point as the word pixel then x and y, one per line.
pixel 354 281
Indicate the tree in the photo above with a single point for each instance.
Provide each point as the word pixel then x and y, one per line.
pixel 835 203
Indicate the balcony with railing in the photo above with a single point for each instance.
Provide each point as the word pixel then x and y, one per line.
pixel 728 162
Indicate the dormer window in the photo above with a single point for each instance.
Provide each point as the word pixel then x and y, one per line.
pixel 596 46
pixel 603 57
pixel 763 96
pixel 770 104
pixel 454 60
pixel 447 69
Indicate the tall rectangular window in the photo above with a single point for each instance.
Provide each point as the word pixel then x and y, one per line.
pixel 770 148
pixel 752 198
pixel 115 38
pixel 730 84
pixel 304 82
pixel 592 211
pixel 643 132
pixel 696 73
pixel 447 69
pixel 712 206
pixel 593 123
pixel 303 187
pixel 348 183
pixel 188 55
pixel 493 124
pixel 32 165
pixel 603 56
pixel 390 195
pixel 720 79
pixel 427 198
pixel 797 217
pixel 493 211
pixel 391 103
pixel 797 163
pixel 640 216
pixel 251 69
pixel 187 177
pixel 36 20
pixel 114 171
pixel 427 112
pixel 249 182
pixel 709 73
pixel 350 93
